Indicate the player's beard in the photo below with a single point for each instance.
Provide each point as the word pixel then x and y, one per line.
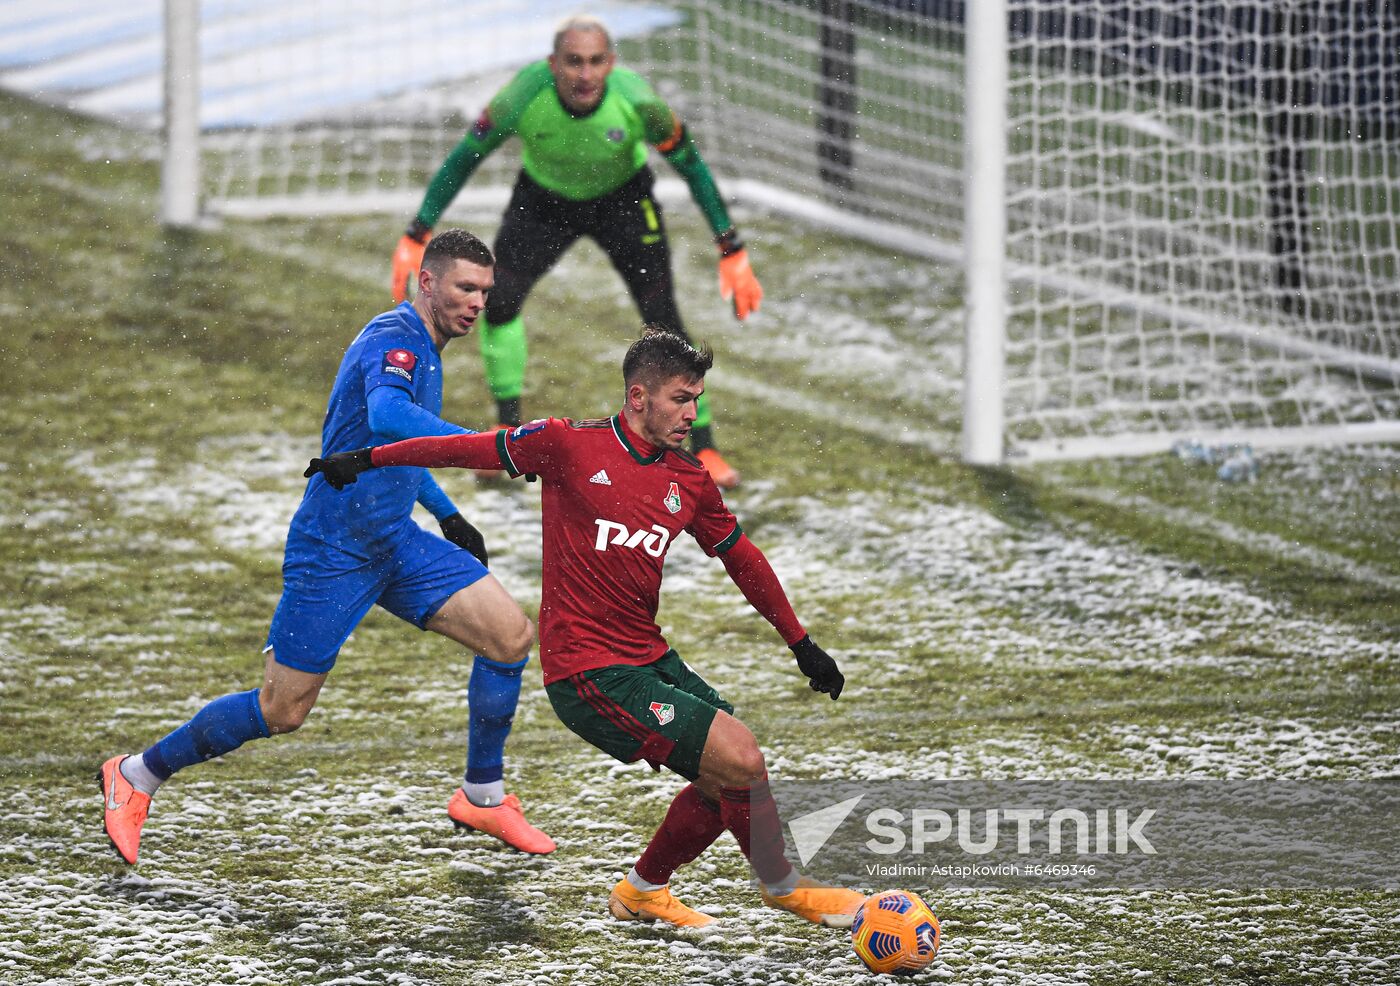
pixel 670 437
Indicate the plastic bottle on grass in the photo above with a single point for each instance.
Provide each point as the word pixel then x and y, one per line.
pixel 1190 450
pixel 1239 466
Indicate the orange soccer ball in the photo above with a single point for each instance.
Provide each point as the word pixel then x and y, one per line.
pixel 895 932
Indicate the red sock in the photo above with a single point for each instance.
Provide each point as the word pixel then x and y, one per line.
pixel 691 826
pixel 751 815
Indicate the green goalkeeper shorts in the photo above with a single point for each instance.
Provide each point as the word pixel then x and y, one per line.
pixel 658 712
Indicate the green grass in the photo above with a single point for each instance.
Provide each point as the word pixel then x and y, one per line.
pixel 1117 618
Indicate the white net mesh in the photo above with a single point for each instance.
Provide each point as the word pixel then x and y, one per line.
pixel 787 78
pixel 351 105
pixel 1203 204
pixel 1202 198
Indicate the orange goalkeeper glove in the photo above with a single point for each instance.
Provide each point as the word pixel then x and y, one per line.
pixel 408 259
pixel 736 278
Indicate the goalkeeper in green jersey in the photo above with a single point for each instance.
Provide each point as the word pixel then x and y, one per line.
pixel 584 126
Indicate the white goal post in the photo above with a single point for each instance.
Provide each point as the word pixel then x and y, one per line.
pixel 179 179
pixel 1175 220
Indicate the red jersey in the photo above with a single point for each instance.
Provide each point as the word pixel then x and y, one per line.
pixel 612 507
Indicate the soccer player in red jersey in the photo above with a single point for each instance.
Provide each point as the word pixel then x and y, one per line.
pixel 617 492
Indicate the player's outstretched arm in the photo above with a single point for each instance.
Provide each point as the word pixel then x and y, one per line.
pixel 669 135
pixel 454 451
pixel 496 123
pixel 754 576
pixel 408 254
pixel 737 282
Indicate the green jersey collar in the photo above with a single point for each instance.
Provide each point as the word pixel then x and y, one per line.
pixel 620 430
pixel 575 113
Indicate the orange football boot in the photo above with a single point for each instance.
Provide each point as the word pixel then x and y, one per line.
pixel 833 907
pixel 726 477
pixel 125 809
pixel 627 903
pixel 506 821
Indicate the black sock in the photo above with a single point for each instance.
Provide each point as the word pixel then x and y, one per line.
pixel 700 438
pixel 508 411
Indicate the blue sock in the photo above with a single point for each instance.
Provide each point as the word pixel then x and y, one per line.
pixel 492 694
pixel 224 724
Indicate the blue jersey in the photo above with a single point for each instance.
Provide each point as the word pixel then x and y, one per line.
pixel 393 350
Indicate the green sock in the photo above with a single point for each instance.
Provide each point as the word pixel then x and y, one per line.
pixel 503 353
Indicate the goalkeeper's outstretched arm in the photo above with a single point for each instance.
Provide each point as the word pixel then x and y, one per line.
pixel 666 132
pixel 737 281
pixel 495 124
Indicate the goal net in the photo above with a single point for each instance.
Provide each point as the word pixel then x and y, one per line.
pixel 1198 215
pixel 1202 215
pixel 350 106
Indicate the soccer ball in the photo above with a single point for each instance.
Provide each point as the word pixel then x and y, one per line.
pixel 895 932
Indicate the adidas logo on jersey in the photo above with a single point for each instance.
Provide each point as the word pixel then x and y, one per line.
pixel 601 478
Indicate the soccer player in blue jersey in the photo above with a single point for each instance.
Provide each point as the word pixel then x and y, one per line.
pixel 346 553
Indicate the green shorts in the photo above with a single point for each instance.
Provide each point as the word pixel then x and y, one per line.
pixel 658 712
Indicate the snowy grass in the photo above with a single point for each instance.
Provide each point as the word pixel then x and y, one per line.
pixel 1118 619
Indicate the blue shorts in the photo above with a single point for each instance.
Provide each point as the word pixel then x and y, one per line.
pixel 326 592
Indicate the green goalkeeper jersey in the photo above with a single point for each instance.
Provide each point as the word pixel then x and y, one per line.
pixel 578 157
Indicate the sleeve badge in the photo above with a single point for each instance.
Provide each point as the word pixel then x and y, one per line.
pixel 529 428
pixel 400 362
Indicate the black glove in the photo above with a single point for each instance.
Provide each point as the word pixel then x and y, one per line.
pixel 341 469
pixel 817 665
pixel 460 532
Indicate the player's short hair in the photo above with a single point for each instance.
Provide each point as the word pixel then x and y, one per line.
pixel 456 244
pixel 580 22
pixel 660 354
